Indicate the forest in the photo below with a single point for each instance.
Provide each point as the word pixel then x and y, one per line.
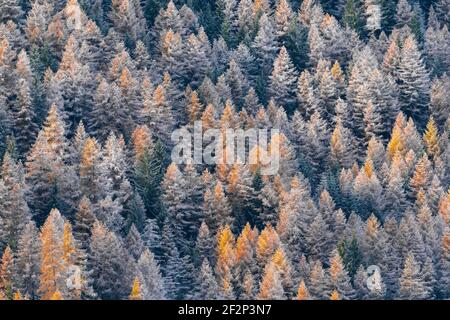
pixel 92 207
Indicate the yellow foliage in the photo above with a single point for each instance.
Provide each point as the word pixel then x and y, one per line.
pixel 267 282
pixel 372 226
pixel 225 238
pixel 420 177
pixel 396 142
pixel 141 140
pixel 56 296
pixel 89 154
pixel 136 290
pixel 335 295
pixel 125 79
pixel 268 242
pixel 227 119
pixel 195 108
pixel 6 272
pixel 337 73
pixel 245 243
pixel 17 296
pixel 159 96
pixel 172 172
pixel 302 292
pixel 444 207
pixel 336 267
pixel 368 168
pixel 52 261
pixel 208 118
pixel 430 139
pixel 69 251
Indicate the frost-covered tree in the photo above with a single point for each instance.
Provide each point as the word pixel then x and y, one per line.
pixel 110 264
pixel 412 286
pixel 283 81
pixel 413 82
pixel 150 277
pixel 28 261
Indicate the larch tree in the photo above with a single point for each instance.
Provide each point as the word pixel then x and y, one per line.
pixel 430 138
pixel 339 279
pixel 7 273
pixel 136 291
pixel 52 277
pixel 302 291
pixel 47 172
pixel 271 287
pixel 92 178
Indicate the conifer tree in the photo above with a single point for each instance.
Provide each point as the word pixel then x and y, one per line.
pixel 430 138
pixel 27 261
pixel 84 220
pixel 283 81
pixel 46 171
pixel 413 82
pixel 158 115
pixel 270 287
pixel 412 286
pixel 14 211
pixel 302 292
pixel 265 48
pixel 150 277
pixel 216 208
pixel 7 273
pixel 110 264
pixel 136 291
pixel 208 287
pixel 52 277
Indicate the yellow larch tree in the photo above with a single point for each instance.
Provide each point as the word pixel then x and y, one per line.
pixel 431 139
pixel 228 118
pixel 281 262
pixel 335 295
pixel 396 142
pixel 136 293
pixel 142 141
pixel 56 296
pixel 208 118
pixel 226 255
pixel 89 170
pixel 422 174
pixel 444 207
pixel 271 287
pixel 268 242
pixel 69 250
pixel 52 256
pixel 338 74
pixel 194 108
pixel 302 292
pixel 6 273
pixel 17 296
pixel 245 244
